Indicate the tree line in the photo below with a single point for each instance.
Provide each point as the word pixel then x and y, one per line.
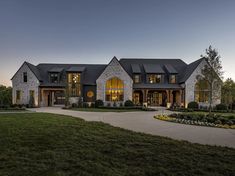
pixel 5 96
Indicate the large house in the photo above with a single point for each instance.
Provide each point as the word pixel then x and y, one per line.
pixel 153 82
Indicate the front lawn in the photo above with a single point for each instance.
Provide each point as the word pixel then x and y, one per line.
pixel 56 145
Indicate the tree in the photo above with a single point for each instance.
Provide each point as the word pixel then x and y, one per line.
pixel 5 96
pixel 228 92
pixel 212 73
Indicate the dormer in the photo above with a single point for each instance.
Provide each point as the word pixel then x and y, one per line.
pixel 154 73
pixel 55 74
pixel 172 74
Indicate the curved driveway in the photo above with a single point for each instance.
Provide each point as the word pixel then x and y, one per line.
pixel 141 121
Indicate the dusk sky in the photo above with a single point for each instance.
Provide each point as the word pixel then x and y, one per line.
pixel 93 31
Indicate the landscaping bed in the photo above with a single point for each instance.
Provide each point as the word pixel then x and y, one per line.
pixel 49 144
pixel 202 119
pixel 112 109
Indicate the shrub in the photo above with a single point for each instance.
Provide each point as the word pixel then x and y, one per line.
pixel 74 105
pixel 85 105
pixel 129 103
pixel 193 105
pixel 92 105
pixel 99 103
pixel 221 107
pixel 31 102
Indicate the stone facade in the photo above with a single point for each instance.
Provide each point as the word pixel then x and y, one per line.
pixel 18 84
pixel 190 87
pixel 114 69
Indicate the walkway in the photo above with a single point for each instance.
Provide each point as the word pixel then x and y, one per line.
pixel 144 122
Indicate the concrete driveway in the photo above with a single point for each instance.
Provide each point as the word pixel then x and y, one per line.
pixel 142 121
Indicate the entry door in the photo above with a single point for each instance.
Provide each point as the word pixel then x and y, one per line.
pixel 155 98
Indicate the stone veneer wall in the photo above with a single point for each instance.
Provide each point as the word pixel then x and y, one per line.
pixel 190 86
pixel 114 69
pixel 19 84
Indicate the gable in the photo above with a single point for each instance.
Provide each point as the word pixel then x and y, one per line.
pixel 114 69
pixel 30 68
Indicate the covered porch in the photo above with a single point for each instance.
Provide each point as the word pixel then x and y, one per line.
pixel 52 97
pixel 159 97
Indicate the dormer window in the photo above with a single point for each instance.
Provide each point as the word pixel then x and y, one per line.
pixel 25 77
pixel 172 79
pixel 154 78
pixel 136 78
pixel 54 77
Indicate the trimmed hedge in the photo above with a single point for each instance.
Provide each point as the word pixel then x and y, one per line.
pixel 193 105
pixel 221 107
pixel 99 103
pixel 129 103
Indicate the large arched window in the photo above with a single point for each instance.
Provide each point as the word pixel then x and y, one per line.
pixel 114 89
pixel 201 91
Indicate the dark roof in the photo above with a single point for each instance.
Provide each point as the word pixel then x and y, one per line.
pixel 177 64
pixel 135 68
pixel 56 69
pixel 170 69
pixel 34 69
pixel 76 69
pixel 90 74
pixel 153 68
pixel 187 71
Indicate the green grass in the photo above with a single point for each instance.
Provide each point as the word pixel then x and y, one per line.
pixel 55 145
pixel 106 109
pixel 12 110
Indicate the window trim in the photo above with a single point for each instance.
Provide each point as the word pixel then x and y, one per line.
pixel 139 80
pixel 156 77
pixel 170 78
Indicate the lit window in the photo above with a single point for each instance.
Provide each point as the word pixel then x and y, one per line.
pixel 25 77
pixel 114 90
pixel 74 86
pixel 136 78
pixel 201 91
pixel 172 79
pixel 54 77
pixel 154 78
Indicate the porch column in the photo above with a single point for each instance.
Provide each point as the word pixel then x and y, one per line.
pixel 145 97
pixel 180 99
pixel 171 96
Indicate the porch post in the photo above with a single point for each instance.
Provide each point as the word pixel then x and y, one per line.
pixel 145 96
pixel 180 99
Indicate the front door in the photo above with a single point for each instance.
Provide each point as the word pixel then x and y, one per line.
pixel 154 99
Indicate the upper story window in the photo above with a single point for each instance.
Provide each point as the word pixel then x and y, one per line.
pixel 25 77
pixel 74 84
pixel 54 77
pixel 153 78
pixel 172 79
pixel 137 78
